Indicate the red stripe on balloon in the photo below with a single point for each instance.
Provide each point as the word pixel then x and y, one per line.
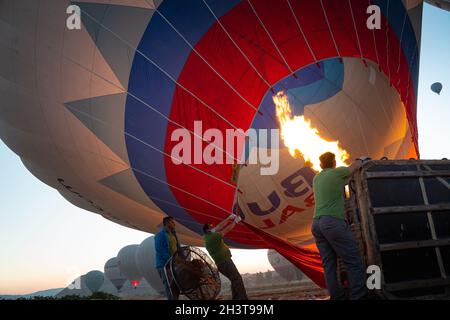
pixel 222 55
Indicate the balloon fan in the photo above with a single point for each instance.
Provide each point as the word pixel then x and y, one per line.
pixel 194 273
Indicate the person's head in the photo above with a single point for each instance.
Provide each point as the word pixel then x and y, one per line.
pixel 207 228
pixel 327 160
pixel 169 223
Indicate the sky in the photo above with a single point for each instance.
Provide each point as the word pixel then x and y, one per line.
pixel 45 242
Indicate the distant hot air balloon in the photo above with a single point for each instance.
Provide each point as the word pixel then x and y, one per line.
pixel 112 272
pixel 92 112
pixel 94 280
pixel 145 259
pixel 126 260
pixel 283 267
pixel 443 4
pixel 437 87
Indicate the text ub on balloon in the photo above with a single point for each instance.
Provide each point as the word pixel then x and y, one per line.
pixel 301 138
pixel 227 146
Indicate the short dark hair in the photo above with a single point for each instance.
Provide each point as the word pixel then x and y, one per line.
pixel 166 220
pixel 206 227
pixel 327 160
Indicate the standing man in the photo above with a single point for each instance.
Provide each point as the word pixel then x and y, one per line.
pixel 331 231
pixel 166 244
pixel 221 254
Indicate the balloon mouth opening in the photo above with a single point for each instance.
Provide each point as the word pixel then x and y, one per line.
pixel 302 138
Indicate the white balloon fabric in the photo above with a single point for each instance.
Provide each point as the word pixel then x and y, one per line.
pixel 94 280
pixel 127 263
pixel 113 273
pixel 145 259
pixel 283 267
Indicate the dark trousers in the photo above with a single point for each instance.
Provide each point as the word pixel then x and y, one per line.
pixel 229 270
pixel 171 290
pixel 334 238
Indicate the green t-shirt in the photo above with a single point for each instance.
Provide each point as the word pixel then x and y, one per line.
pixel 328 188
pixel 216 247
pixel 172 243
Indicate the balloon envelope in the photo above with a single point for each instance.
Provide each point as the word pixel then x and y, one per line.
pixel 127 263
pixel 283 267
pixel 92 112
pixel 112 272
pixel 145 258
pixel 437 87
pixel 94 280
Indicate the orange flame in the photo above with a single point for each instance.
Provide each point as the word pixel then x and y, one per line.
pixel 300 137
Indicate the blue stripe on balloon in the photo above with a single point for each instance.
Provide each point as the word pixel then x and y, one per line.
pixel 168 50
pixel 395 13
pixel 312 85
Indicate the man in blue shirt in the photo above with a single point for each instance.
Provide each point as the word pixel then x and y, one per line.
pixel 166 244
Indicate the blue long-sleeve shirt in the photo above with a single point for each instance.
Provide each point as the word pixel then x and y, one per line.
pixel 162 249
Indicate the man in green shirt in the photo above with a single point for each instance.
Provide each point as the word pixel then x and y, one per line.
pixel 331 231
pixel 221 254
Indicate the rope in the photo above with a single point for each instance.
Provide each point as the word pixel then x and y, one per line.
pixel 375 43
pixel 329 28
pixel 301 31
pixel 356 30
pixel 387 40
pixel 236 45
pixel 153 147
pixel 270 37
pixel 400 46
pixel 161 69
pixel 152 108
pixel 207 63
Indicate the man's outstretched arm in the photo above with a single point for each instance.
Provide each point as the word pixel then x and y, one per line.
pixel 230 226
pixel 355 166
pixel 224 223
pixel 358 164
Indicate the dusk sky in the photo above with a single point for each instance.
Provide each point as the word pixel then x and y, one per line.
pixel 45 242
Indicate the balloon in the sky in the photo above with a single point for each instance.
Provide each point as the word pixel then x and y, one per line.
pixel 94 112
pixel 436 87
pixel 94 280
pixel 443 4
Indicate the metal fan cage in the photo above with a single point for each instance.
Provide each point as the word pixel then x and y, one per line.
pixel 194 273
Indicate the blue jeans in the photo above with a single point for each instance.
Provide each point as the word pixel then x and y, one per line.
pixel 172 291
pixel 334 238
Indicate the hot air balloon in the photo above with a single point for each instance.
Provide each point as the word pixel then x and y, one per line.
pixel 94 112
pixel 112 272
pixel 94 280
pixel 436 87
pixel 283 267
pixel 145 259
pixel 443 4
pixel 126 260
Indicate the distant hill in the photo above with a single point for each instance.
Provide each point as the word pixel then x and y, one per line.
pixel 43 293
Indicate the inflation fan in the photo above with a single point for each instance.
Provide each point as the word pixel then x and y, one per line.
pixel 194 273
